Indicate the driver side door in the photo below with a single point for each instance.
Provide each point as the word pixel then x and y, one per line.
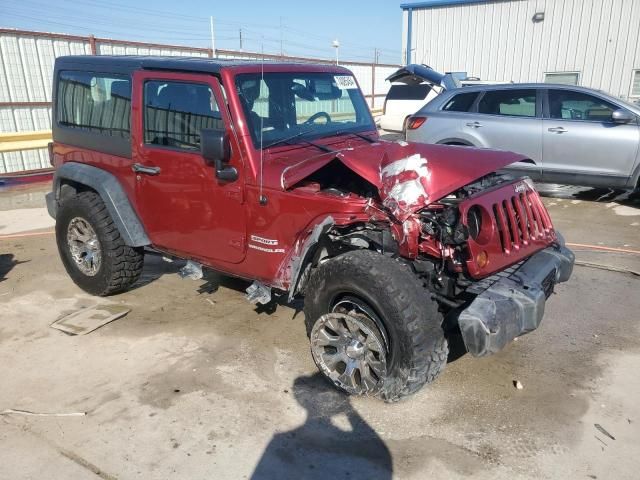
pixel 184 207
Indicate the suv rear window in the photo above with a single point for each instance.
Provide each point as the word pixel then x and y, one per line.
pixel 409 92
pixel 511 102
pixel 175 112
pixel 461 102
pixel 95 103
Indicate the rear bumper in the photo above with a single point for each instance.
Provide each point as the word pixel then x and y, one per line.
pixel 391 123
pixel 514 305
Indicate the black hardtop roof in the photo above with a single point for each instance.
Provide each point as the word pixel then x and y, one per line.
pixel 130 63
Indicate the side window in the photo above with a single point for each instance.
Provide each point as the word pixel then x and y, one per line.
pixel 570 105
pixel 510 102
pixel 95 103
pixel 175 112
pixel 635 84
pixel 461 102
pixel 566 78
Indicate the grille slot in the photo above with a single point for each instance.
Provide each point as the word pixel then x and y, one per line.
pixel 521 219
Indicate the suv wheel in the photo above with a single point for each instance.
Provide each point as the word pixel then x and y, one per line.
pixel 374 330
pixel 91 248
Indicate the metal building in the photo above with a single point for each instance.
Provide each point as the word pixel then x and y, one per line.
pixel 593 43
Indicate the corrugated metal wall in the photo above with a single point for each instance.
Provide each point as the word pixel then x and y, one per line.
pixel 498 40
pixel 26 70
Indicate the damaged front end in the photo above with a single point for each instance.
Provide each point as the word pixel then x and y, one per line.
pixel 487 249
pixel 481 243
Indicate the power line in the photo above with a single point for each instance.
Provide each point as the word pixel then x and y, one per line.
pixel 125 26
pixel 187 28
pixel 117 35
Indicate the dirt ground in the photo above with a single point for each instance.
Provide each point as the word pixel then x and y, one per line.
pixel 197 383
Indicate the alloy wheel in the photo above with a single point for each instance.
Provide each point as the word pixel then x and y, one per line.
pixel 350 350
pixel 84 246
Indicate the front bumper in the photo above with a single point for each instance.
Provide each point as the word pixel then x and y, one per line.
pixel 514 305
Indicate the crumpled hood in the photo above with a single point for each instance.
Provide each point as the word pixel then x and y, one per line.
pixel 409 176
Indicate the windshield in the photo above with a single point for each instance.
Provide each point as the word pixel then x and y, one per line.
pixel 284 106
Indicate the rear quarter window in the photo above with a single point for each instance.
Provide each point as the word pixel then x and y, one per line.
pixel 409 92
pixel 96 103
pixel 461 102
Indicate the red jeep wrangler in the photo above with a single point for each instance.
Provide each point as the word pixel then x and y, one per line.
pixel 275 173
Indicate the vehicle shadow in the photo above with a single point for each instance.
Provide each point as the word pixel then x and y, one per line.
pixel 319 449
pixel 214 280
pixel 7 262
pixel 605 195
pixel 154 268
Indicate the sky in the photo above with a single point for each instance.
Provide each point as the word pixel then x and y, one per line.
pixel 304 27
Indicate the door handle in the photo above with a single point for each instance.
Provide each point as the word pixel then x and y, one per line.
pixel 558 129
pixel 138 168
pixel 474 124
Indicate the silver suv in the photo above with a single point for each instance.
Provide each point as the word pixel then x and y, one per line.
pixel 573 135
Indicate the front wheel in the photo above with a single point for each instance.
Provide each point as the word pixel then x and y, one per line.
pixel 91 248
pixel 373 328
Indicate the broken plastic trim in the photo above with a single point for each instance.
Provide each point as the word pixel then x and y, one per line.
pixel 192 270
pixel 297 262
pixel 258 292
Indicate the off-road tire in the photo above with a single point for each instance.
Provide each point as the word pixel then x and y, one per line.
pixel 121 264
pixel 417 349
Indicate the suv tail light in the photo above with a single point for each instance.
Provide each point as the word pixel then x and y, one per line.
pixel 384 106
pixel 415 122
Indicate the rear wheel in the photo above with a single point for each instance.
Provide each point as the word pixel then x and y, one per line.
pixel 91 248
pixel 374 329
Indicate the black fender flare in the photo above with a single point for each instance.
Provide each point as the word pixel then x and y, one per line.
pixel 112 194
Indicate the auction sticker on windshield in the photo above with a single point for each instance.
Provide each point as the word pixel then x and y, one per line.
pixel 345 82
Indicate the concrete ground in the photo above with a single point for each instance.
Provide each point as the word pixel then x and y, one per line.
pixel 196 383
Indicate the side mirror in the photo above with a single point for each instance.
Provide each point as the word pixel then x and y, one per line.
pixel 216 151
pixel 622 116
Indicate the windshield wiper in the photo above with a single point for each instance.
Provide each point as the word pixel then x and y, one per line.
pixel 288 140
pixel 285 140
pixel 324 148
pixel 359 135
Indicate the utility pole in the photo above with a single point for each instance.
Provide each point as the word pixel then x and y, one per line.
pixel 373 79
pixel 213 41
pixel 281 39
pixel 376 56
pixel 336 45
pixel 240 39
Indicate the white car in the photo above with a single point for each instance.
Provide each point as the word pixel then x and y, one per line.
pixel 412 87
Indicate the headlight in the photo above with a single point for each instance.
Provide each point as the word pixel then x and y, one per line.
pixel 474 222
